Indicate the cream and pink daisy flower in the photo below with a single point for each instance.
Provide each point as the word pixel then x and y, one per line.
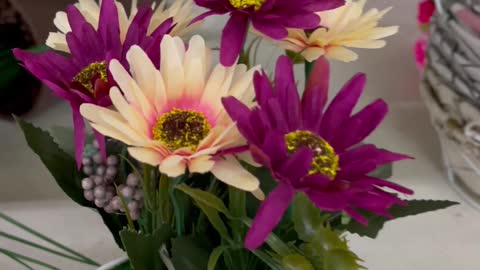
pixel 340 29
pixel 181 11
pixel 173 118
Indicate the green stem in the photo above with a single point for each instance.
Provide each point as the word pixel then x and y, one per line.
pixel 28 259
pixel 179 215
pixel 18 261
pixel 44 238
pixel 308 69
pixel 131 225
pixel 43 248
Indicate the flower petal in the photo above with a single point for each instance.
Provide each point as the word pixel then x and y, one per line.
pixel 201 164
pixel 146 155
pixel 231 172
pixel 233 37
pixel 173 166
pixel 269 215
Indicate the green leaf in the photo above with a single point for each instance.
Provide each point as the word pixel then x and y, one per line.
pixel 64 137
pixel 205 198
pixel 306 217
pixel 296 262
pixel 339 259
pixel 188 254
pixel 143 250
pixel 237 205
pixel 383 172
pixel 214 256
pixel 273 241
pixel 61 165
pixel 376 222
pixel 215 219
pixel 329 250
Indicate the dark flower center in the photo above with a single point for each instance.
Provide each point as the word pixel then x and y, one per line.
pixel 181 128
pixel 88 75
pixel 325 160
pixel 241 4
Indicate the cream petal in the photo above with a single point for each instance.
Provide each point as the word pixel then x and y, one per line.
pixel 61 22
pixel 231 172
pixel 57 41
pixel 244 81
pixel 201 164
pixel 381 32
pixel 112 133
pixel 258 193
pixel 134 119
pixel 148 78
pixel 123 20
pixel 173 166
pixel 171 67
pixel 194 78
pixel 124 128
pixel 146 155
pixel 131 90
pixel 214 83
pixel 313 53
pixel 341 54
pixel 366 44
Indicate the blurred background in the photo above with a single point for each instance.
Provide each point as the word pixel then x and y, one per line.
pixel 444 240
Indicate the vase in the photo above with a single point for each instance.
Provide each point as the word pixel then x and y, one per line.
pixel 451 90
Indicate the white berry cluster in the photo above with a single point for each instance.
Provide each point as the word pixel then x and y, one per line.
pixel 99 186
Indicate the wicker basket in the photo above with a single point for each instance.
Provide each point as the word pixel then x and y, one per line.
pixel 451 91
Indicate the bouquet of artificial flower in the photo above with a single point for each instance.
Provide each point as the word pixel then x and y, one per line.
pixel 193 164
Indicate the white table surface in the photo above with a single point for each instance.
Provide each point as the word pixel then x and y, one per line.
pixel 444 240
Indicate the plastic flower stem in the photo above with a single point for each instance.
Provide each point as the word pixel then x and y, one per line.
pixel 308 69
pixel 46 239
pixel 179 215
pixel 28 259
pixel 131 226
pixel 18 261
pixel 163 199
pixel 43 248
pixel 264 257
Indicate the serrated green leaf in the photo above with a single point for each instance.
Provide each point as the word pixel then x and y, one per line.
pixel 214 256
pixel 375 222
pixel 61 166
pixel 306 217
pixel 296 262
pixel 326 248
pixel 339 259
pixel 383 172
pixel 64 137
pixel 188 254
pixel 205 198
pixel 144 249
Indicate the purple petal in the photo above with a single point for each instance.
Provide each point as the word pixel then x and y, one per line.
pixel 316 95
pixel 137 31
pixel 79 133
pixel 287 92
pixel 151 48
pixel 321 5
pixel 101 144
pixel 233 37
pixel 383 183
pixel 342 106
pixel 359 126
pixel 327 201
pixel 297 165
pixel 356 169
pixel 307 20
pixel 263 88
pixel 275 148
pixel 75 18
pixel 260 157
pixel 240 114
pixel 108 25
pixel 276 115
pixel 357 216
pixel 85 53
pixel 204 15
pixel 315 181
pixel 270 28
pixel 269 215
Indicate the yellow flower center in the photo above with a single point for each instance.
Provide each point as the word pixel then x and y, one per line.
pixel 181 128
pixel 241 4
pixel 85 76
pixel 325 160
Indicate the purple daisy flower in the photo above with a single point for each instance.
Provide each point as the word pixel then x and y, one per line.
pixel 314 151
pixel 83 76
pixel 269 17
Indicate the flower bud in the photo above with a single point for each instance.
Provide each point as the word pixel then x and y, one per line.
pixel 87 183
